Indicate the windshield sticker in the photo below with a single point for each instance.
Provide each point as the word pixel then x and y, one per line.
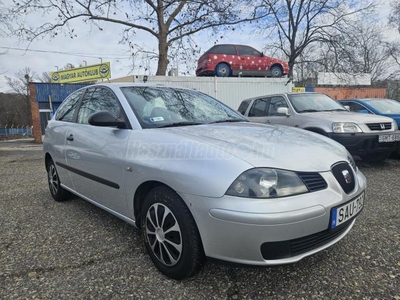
pixel 156 119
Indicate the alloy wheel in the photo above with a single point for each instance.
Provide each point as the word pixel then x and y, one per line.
pixel 53 180
pixel 164 234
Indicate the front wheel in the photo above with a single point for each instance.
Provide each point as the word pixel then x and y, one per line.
pixel 170 234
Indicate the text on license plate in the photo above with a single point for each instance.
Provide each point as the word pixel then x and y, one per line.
pixel 387 138
pixel 343 213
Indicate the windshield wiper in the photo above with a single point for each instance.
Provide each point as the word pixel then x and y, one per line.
pixel 336 109
pixel 228 120
pixel 184 123
pixel 308 110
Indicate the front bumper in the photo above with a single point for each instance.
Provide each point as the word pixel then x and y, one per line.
pixel 365 143
pixel 235 229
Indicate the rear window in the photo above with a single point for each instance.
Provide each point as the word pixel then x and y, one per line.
pixel 222 49
pixel 243 106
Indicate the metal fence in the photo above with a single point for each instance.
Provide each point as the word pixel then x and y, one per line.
pixel 9 130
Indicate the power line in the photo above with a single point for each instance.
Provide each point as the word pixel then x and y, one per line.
pixel 110 56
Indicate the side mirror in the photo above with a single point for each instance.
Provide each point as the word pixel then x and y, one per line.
pixel 283 111
pixel 105 118
pixel 347 107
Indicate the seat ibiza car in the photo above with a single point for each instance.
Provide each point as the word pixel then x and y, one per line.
pixel 199 179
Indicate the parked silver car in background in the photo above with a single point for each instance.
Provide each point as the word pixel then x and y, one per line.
pixel 371 137
pixel 198 179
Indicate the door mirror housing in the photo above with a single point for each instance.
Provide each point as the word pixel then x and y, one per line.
pixel 347 107
pixel 283 111
pixel 105 118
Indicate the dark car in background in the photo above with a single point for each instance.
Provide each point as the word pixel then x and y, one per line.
pixel 227 60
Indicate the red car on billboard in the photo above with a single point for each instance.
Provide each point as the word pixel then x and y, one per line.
pixel 239 60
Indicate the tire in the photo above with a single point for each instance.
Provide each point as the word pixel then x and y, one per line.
pixel 223 70
pixel 56 190
pixel 276 71
pixel 375 157
pixel 186 258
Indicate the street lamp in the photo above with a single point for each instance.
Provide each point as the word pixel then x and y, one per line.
pixel 85 63
pixel 101 59
pixel 57 68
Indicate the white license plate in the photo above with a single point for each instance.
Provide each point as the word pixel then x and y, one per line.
pixel 342 214
pixel 387 138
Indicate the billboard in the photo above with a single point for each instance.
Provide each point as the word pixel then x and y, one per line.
pixel 330 78
pixel 88 73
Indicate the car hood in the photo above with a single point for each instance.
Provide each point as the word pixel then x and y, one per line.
pixel 346 116
pixel 273 146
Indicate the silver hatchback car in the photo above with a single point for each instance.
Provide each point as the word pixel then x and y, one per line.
pixel 199 179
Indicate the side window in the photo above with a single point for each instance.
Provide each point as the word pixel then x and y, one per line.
pixel 97 99
pixel 248 51
pixel 223 49
pixel 67 109
pixel 243 107
pixel 258 108
pixel 355 107
pixel 274 104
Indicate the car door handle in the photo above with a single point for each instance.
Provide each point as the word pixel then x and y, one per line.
pixel 70 137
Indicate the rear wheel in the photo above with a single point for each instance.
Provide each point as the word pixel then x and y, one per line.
pixel 56 190
pixel 170 234
pixel 276 71
pixel 375 157
pixel 223 70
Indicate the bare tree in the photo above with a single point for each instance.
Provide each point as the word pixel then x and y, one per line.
pixel 168 21
pixel 394 17
pixel 301 23
pixel 20 85
pixel 360 47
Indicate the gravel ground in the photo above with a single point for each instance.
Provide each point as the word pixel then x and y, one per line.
pixel 74 250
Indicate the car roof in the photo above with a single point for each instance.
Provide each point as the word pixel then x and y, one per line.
pixel 281 94
pixel 140 84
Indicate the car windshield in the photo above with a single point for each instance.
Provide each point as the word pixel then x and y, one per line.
pixel 314 102
pixel 157 107
pixel 385 106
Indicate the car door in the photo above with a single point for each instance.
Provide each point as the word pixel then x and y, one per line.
pixel 56 133
pixel 272 112
pixel 258 110
pixel 250 59
pixel 95 155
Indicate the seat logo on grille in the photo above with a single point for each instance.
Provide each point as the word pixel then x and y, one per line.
pixel 347 176
pixel 382 126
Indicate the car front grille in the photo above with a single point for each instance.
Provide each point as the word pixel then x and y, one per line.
pixel 286 249
pixel 313 181
pixel 379 126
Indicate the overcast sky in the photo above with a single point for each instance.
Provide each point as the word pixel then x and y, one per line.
pixel 93 45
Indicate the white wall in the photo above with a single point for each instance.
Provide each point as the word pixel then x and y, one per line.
pixel 230 91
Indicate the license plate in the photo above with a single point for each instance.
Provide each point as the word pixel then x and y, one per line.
pixel 346 212
pixel 387 138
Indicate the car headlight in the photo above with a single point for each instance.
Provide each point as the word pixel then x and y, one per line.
pixel 342 127
pixel 266 183
pixel 394 126
pixel 352 162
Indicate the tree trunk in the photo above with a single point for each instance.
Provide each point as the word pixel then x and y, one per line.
pixel 291 66
pixel 162 57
